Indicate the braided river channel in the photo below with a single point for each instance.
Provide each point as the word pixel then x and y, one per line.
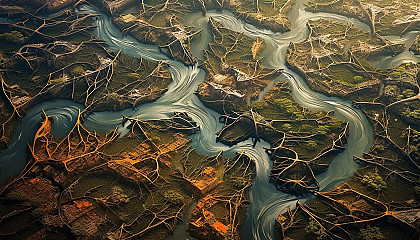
pixel 266 202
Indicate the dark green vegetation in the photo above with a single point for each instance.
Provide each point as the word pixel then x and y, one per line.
pixel 386 17
pixel 17 7
pixel 303 142
pixel 347 214
pixel 415 48
pixel 88 186
pixel 266 14
pixel 336 57
pixel 235 74
pixel 381 200
pixel 160 22
pixel 58 57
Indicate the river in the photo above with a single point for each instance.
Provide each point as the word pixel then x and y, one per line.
pixel 266 202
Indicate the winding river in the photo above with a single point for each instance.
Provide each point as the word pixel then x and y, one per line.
pixel 266 202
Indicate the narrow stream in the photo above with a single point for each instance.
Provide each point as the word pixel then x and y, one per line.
pixel 266 202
